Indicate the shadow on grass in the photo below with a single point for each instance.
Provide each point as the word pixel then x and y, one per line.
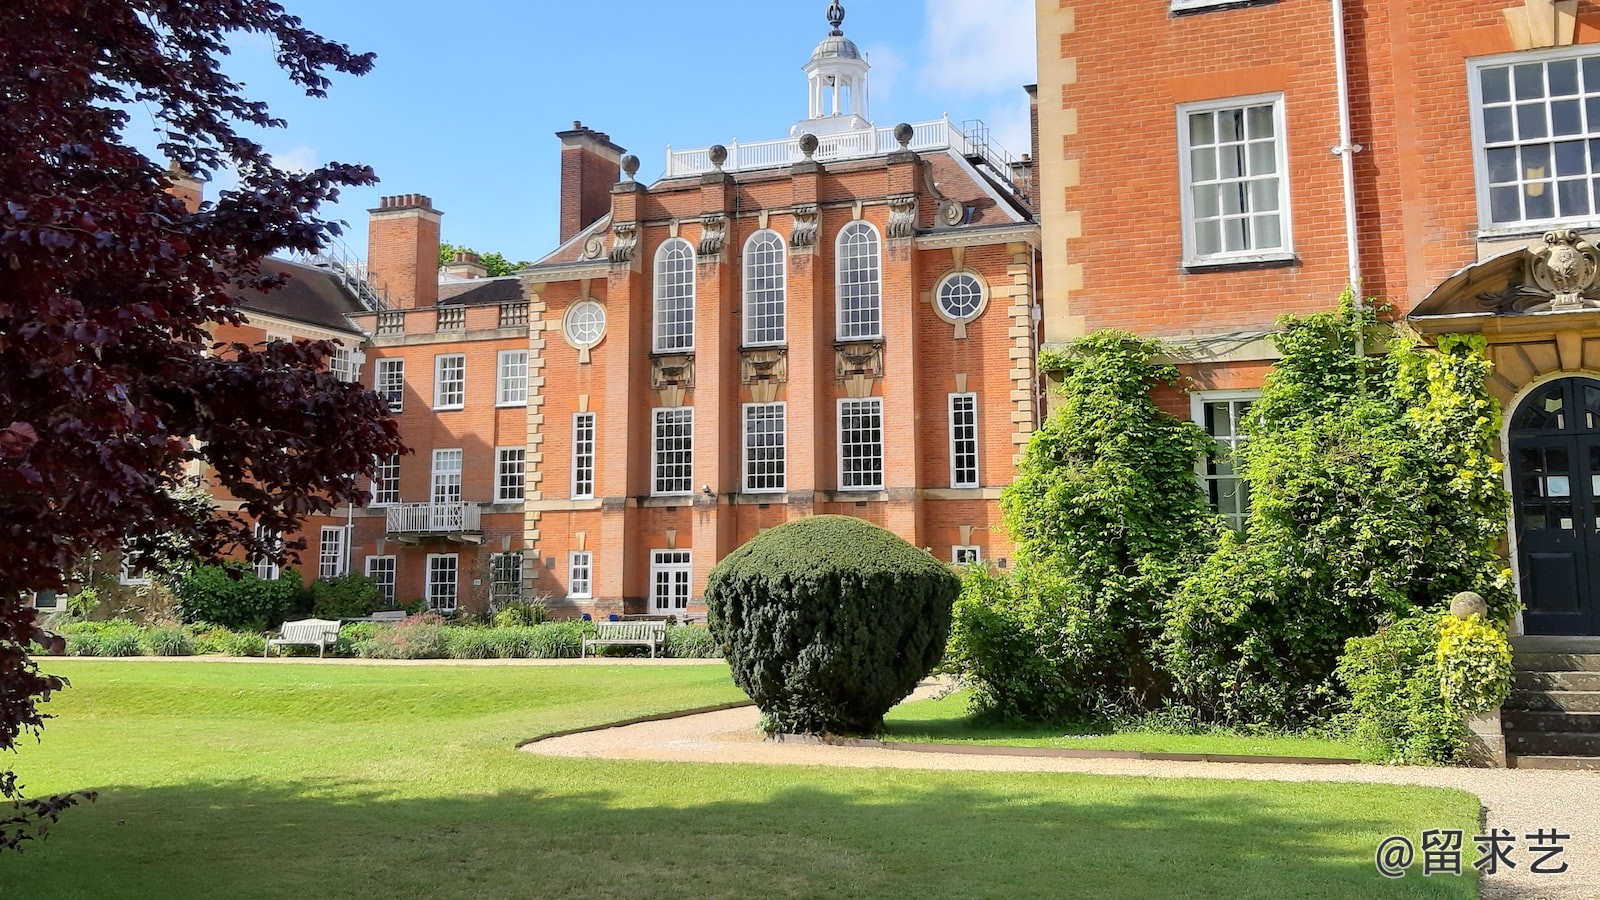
pixel 649 830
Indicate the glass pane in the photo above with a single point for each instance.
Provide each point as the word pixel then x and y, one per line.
pixel 1208 238
pixel 1231 160
pixel 1536 161
pixel 1496 85
pixel 1235 235
pixel 1574 197
pixel 1591 408
pixel 1566 117
pixel 1558 486
pixel 1263 158
pixel 1563 74
pixel 1571 158
pixel 1541 412
pixel 1230 125
pixel 1233 198
pixel 1504 205
pixel 1264 195
pixel 1530 121
pixel 1539 200
pixel 1268 232
pixel 1206 202
pixel 1503 165
pixel 1203 164
pixel 1219 423
pixel 1591 74
pixel 1497 125
pixel 1202 129
pixel 1529 79
pixel 1261 124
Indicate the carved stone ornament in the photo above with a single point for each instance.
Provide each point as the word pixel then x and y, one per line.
pixel 626 243
pixel 902 216
pixel 594 247
pixel 1568 267
pixel 858 358
pixel 805 226
pixel 672 370
pixel 764 364
pixel 951 213
pixel 713 233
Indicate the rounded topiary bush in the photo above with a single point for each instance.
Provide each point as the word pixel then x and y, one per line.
pixel 829 621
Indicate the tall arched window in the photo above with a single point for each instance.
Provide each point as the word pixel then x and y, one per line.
pixel 674 313
pixel 860 282
pixel 765 289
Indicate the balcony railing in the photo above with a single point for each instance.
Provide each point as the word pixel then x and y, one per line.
pixel 436 518
pixel 940 134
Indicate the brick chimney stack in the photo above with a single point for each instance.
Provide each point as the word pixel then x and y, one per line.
pixel 590 165
pixel 466 264
pixel 184 186
pixel 403 249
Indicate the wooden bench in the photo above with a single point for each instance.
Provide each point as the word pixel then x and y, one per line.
pixel 641 634
pixel 318 633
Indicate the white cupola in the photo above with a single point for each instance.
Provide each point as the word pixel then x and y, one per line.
pixel 837 74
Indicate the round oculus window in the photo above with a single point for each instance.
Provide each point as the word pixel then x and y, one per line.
pixel 586 323
pixel 960 296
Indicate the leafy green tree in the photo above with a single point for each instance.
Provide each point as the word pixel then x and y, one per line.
pixel 494 263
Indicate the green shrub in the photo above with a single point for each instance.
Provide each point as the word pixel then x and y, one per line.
pixel 210 639
pixel 124 642
pixel 241 643
pixel 350 596
pixel 555 640
pixel 1396 702
pixel 829 621
pixel 417 637
pixel 512 642
pixel 353 634
pixel 521 614
pixel 1475 671
pixel 168 642
pixel 240 600
pixel 1014 641
pixel 691 642
pixel 468 643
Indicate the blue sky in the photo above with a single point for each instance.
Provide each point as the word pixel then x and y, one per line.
pixel 467 95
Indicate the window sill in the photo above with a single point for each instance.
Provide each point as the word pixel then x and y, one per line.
pixel 1241 263
pixel 1189 7
pixel 1534 231
pixel 857 495
pixel 759 498
pixel 450 408
pixel 667 501
pixel 521 404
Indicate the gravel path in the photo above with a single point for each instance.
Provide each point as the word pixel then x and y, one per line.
pixel 1522 801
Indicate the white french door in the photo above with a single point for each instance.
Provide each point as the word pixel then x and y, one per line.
pixel 445 503
pixel 670 574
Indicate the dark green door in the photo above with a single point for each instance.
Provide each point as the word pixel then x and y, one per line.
pixel 1555 477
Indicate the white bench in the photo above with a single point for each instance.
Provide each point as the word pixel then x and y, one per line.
pixel 641 634
pixel 318 633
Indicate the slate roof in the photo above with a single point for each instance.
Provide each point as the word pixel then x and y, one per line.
pixel 482 291
pixel 310 295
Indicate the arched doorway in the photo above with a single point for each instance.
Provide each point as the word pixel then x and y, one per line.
pixel 1555 482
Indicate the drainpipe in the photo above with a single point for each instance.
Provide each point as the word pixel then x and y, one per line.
pixel 1346 151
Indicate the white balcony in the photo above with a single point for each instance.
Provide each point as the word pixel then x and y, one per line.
pixel 457 521
pixel 940 134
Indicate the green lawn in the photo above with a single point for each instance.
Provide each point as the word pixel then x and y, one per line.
pixel 946 720
pixel 299 780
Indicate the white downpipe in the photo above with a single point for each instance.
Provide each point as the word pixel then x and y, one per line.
pixel 1346 151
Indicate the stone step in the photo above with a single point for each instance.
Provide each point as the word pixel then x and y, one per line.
pixel 1518 720
pixel 1555 701
pixel 1553 743
pixel 1558 681
pixel 1585 763
pixel 1555 662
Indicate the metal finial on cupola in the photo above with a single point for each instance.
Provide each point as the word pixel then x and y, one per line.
pixel 836 16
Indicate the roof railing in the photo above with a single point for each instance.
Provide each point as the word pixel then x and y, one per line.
pixel 337 259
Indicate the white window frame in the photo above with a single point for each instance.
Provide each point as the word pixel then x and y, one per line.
pixel 972 551
pixel 386 481
pixel 444 477
pixel 389 381
pixel 510 470
pixel 585 436
pixel 128 577
pixel 345 363
pixel 266 568
pixel 442 396
pixel 1197 414
pixel 658 418
pixel 673 340
pixel 670 564
pixel 501 589
pixel 766 290
pixel 580 575
pixel 433 595
pixel 1487 227
pixel 1186 5
pixel 856 403
pixel 844 267
pixel 56 600
pixel 956 481
pixel 1191 252
pixel 332 538
pixel 511 384
pixel 778 457
pixel 386 575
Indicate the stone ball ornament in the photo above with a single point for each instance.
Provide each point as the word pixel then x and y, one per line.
pixel 1467 604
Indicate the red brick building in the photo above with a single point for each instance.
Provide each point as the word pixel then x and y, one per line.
pixel 842 320
pixel 1207 166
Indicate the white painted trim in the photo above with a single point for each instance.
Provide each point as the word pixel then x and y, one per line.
pixel 977 440
pixel 427 584
pixel 744 447
pixel 340 535
pixel 593 455
pixel 1197 403
pixel 1191 256
pixel 656 298
pixel 956 550
pixel 783 290
pixel 657 566
pixel 500 358
pixel 499 461
pixel 655 450
pixel 398 366
pixel 572 565
pixel 938 296
pixel 438 369
pixel 838 281
pixel 393 595
pixel 883 458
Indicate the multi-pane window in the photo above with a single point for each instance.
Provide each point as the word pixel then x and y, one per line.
pixel 1537 129
pixel 265 563
pixel 390 383
pixel 765 463
pixel 386 481
pixel 1222 417
pixel 580 574
pixel 860 282
pixel 443 570
pixel 513 382
pixel 1235 197
pixel 861 444
pixel 960 296
pixel 381 569
pixel 128 576
pixel 449 381
pixel 505 578
pixel 583 456
pixel 963 440
pixel 674 295
pixel 345 364
pixel 330 559
pixel 509 465
pixel 46 600
pixel 765 299
pixel 671 572
pixel 446 477
pixel 673 452
pixel 966 555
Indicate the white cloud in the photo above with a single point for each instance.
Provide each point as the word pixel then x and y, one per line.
pixel 298 160
pixel 888 64
pixel 1011 126
pixel 978 47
